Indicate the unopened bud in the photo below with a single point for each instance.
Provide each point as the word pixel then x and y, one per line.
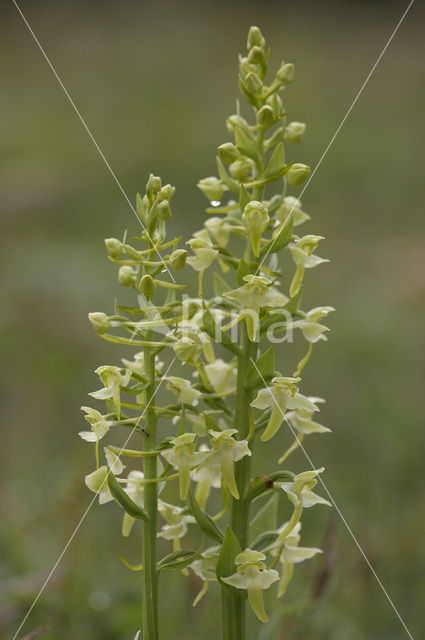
pixel 286 73
pixel 166 192
pixel 297 173
pixel 240 169
pixel 266 116
pixel 228 152
pixel 275 102
pixel 99 321
pixel 235 121
pixel 153 184
pixel 126 276
pixel 255 218
pixel 114 247
pixel 256 56
pixel 147 286
pixel 178 258
pixel 294 132
pixel 212 187
pixel 255 38
pixel 164 211
pixel 253 84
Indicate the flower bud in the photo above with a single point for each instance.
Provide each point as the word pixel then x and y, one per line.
pixel 253 84
pixel 297 173
pixel 240 169
pixel 228 152
pixel 186 349
pixel 256 56
pixel 212 187
pixel 255 38
pixel 286 73
pixel 166 192
pixel 114 247
pixel 126 276
pixel 234 121
pixel 147 286
pixel 266 116
pixel 275 102
pixel 99 321
pixel 164 211
pixel 255 218
pixel 153 184
pixel 178 258
pixel 294 132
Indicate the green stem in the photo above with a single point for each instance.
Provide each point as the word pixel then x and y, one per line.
pixel 150 578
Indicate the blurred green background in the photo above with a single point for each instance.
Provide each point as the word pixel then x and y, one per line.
pixel 154 82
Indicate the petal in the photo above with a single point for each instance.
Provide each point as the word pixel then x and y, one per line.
pixel 264 400
pixel 88 436
pixel 288 571
pixel 273 425
pixel 227 470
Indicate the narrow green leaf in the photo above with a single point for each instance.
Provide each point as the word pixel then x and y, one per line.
pixel 263 540
pixel 179 560
pixel 246 144
pixel 294 303
pixel 276 162
pixel 220 285
pixel 265 366
pixel 262 484
pixel 265 519
pixel 244 198
pixel 228 181
pixel 280 239
pixel 123 499
pixel 206 523
pixel 210 327
pixel 226 560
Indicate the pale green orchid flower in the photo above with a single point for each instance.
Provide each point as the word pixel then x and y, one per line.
pixel 302 254
pixel 186 394
pixel 222 375
pixel 225 452
pixel 300 490
pixel 280 396
pixel 188 348
pixel 253 576
pixel 207 478
pixel 291 553
pixel 205 568
pixel 256 219
pixel 212 187
pixel 301 421
pixel 312 330
pixel 177 521
pixel 204 254
pixel 113 378
pixel 137 365
pixel 183 457
pixel 252 296
pixel 220 229
pixel 97 481
pixel 99 426
pixel 291 205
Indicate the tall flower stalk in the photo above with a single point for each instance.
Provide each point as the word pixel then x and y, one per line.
pixel 232 397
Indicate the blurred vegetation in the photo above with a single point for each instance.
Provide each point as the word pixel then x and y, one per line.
pixel 155 83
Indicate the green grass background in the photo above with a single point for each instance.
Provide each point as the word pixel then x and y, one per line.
pixel 155 83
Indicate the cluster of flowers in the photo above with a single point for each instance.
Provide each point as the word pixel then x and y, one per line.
pixel 226 401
